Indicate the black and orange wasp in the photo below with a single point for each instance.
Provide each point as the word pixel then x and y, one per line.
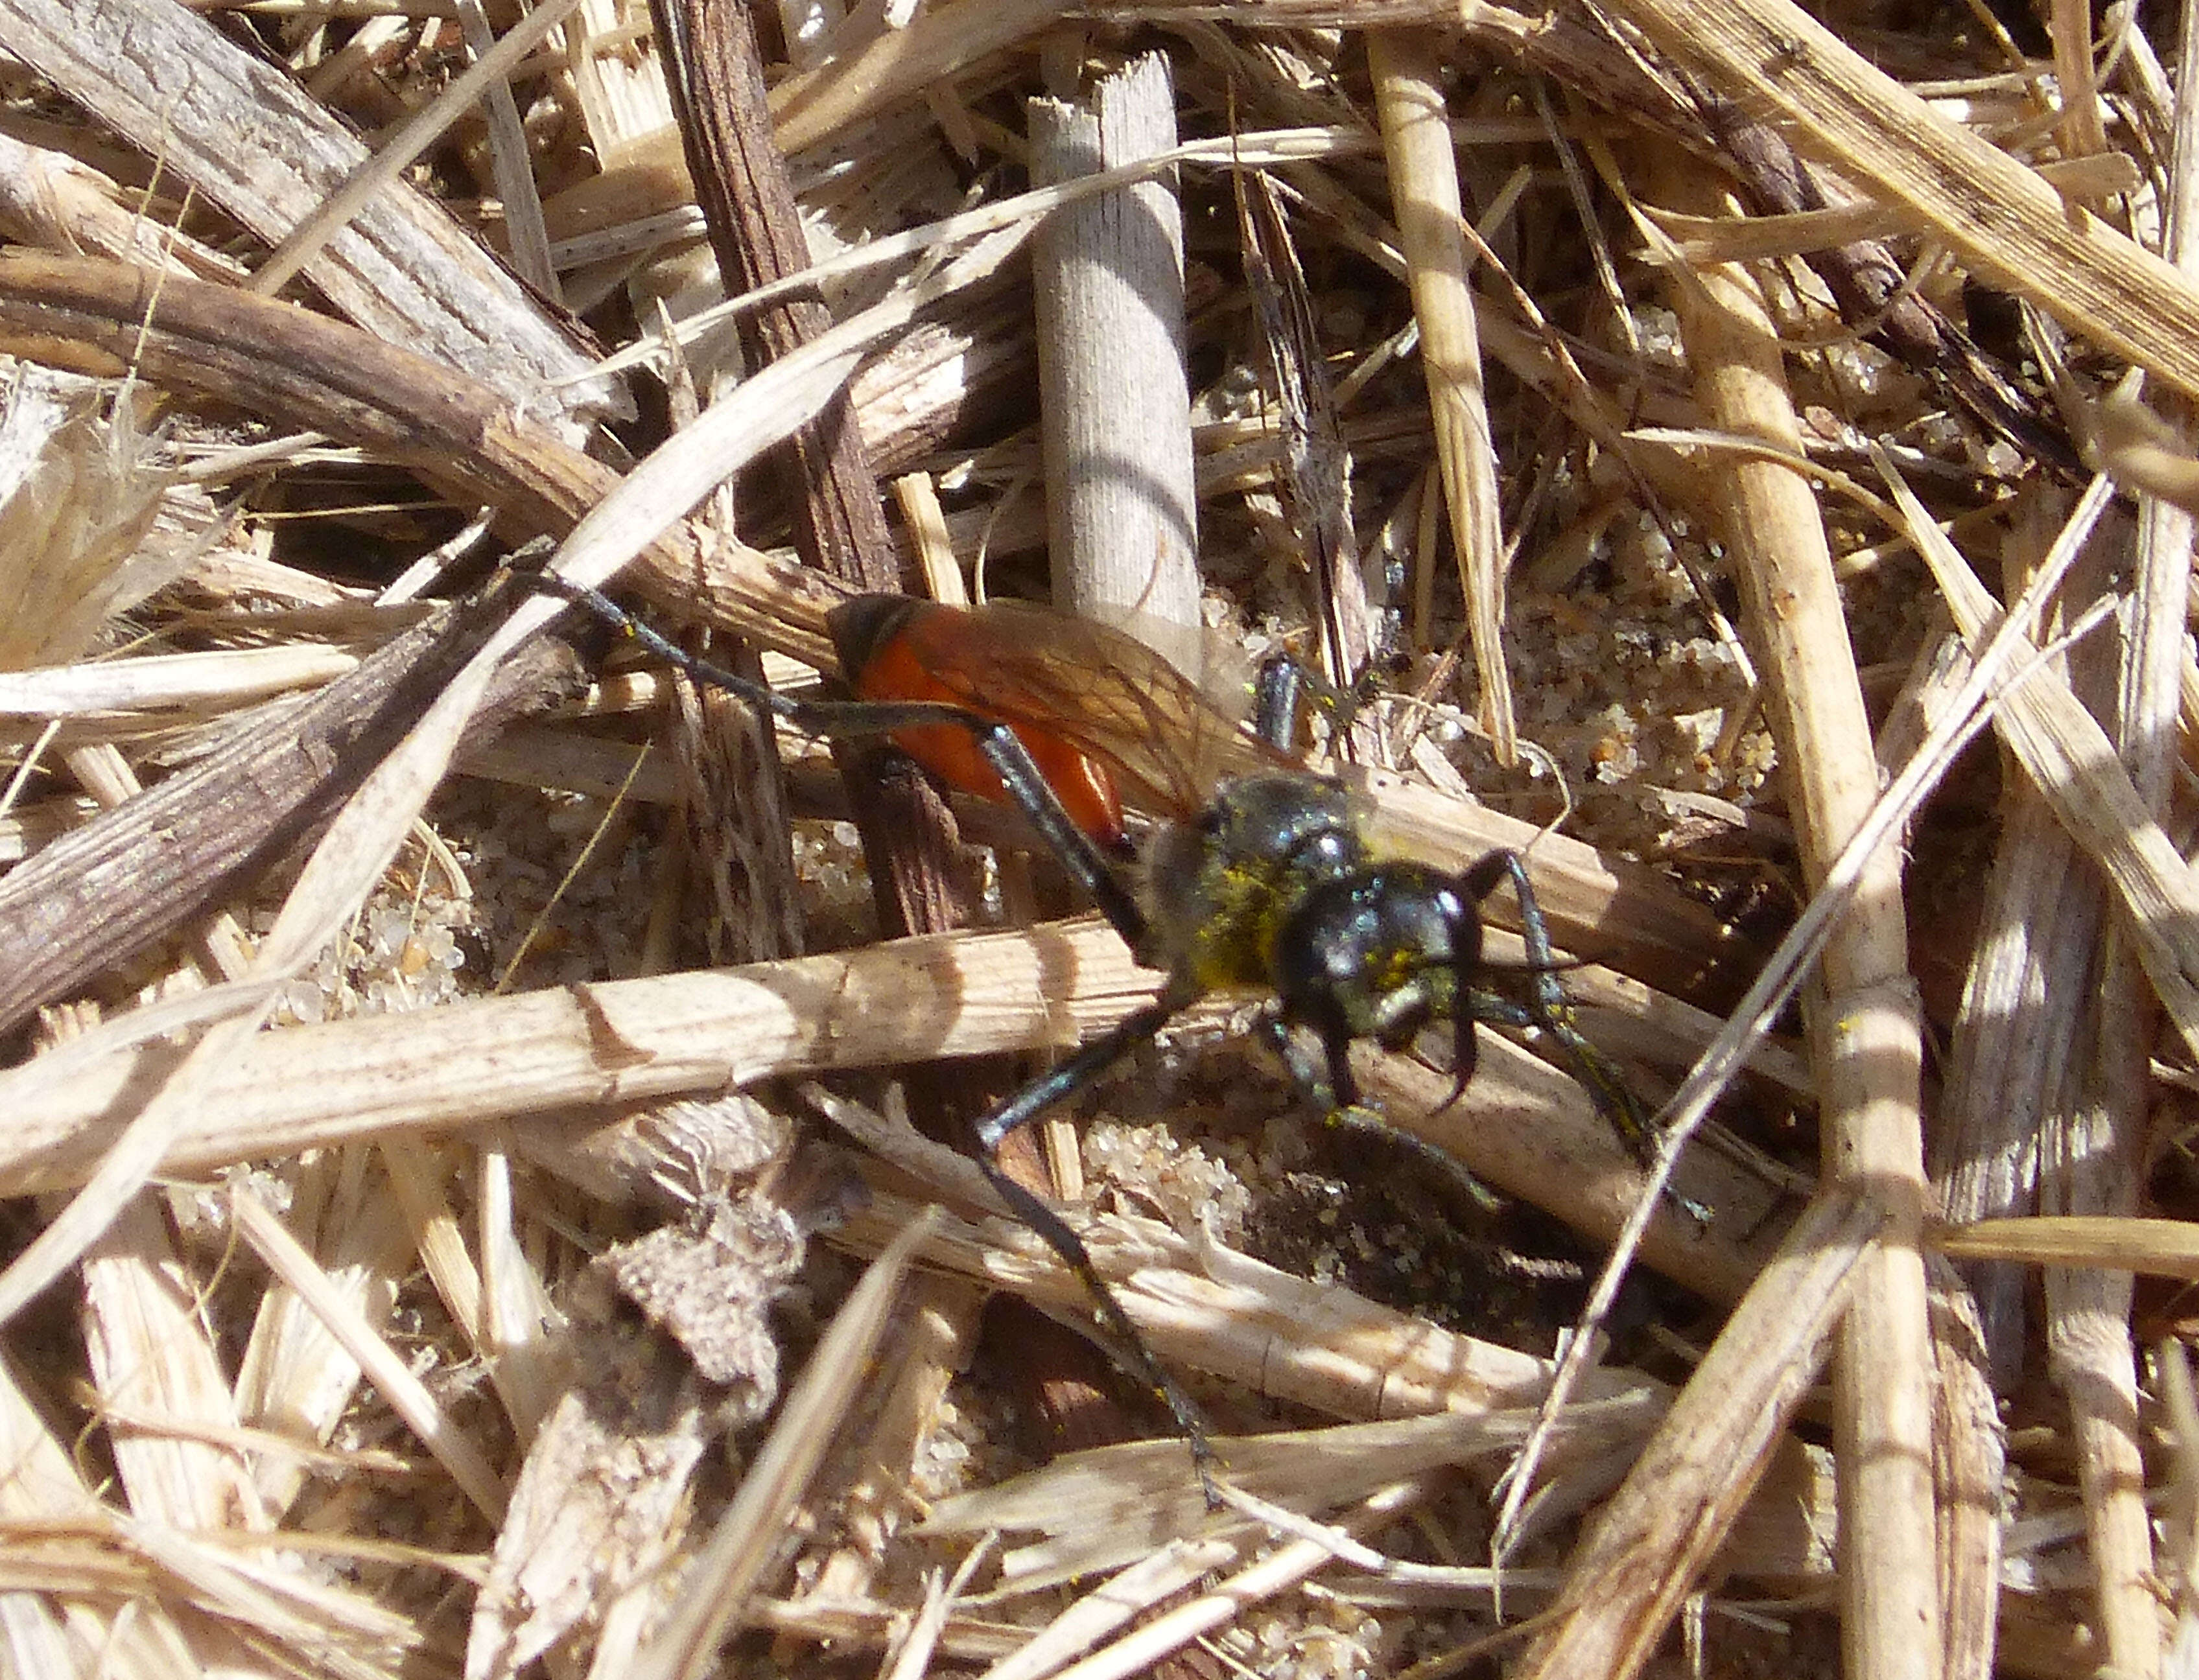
pixel 1257 878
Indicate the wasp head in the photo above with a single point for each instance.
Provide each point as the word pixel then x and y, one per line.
pixel 1379 954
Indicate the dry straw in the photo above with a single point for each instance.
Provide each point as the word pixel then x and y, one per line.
pixel 357 1325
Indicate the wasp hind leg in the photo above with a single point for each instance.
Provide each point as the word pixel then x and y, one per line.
pixel 1027 786
pixel 1128 1346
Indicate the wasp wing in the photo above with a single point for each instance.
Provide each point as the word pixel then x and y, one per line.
pixel 1100 688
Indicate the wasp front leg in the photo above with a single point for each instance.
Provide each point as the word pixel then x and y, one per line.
pixel 1332 1091
pixel 1550 1012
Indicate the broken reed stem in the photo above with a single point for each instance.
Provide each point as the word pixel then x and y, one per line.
pixel 1970 1471
pixel 304 372
pixel 2096 1170
pixel 1114 397
pixel 2089 1166
pixel 733 805
pixel 2089 1152
pixel 1225 1601
pixel 756 234
pixel 615 1041
pixel 917 1000
pixel 2012 1036
pixel 1527 1129
pixel 1406 66
pixel 223 951
pixel 511 162
pixel 151 1361
pixel 1866 1026
pixel 1652 1542
pixel 811 106
pixel 454 1448
pixel 2003 220
pixel 403 267
pixel 291 1378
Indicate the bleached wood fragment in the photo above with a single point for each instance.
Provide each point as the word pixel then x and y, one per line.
pixel 1407 67
pixel 244 135
pixel 1642 1555
pixel 1867 1026
pixel 151 1361
pixel 1115 402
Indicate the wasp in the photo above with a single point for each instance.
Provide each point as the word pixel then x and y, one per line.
pixel 1258 878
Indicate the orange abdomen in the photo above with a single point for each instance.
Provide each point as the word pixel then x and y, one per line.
pixel 898 650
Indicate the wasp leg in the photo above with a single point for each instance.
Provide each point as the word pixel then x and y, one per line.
pixel 1282 688
pixel 1327 1088
pixel 1030 789
pixel 1592 1070
pixel 1344 1113
pixel 1278 693
pixel 1062 1082
pixel 1358 1118
pixel 856 720
pixel 1550 1012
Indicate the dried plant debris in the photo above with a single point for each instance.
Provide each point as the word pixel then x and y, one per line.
pixel 600 1506
pixel 1647 416
pixel 710 1289
pixel 79 496
pixel 669 1343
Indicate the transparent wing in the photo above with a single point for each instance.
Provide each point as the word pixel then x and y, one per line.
pixel 1098 688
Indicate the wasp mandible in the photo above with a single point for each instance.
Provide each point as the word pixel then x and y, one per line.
pixel 1259 877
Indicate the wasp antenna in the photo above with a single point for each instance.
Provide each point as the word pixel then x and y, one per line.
pixel 1549 766
pixel 594 601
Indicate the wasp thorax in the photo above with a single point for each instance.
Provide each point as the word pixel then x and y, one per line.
pixel 1219 891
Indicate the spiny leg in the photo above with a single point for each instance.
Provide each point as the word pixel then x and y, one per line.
pixel 1277 696
pixel 1056 1085
pixel 1283 688
pixel 1594 1072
